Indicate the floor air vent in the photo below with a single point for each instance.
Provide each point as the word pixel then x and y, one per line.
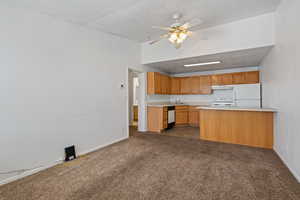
pixel 70 153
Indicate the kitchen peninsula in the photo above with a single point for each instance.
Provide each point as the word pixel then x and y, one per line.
pixel 244 126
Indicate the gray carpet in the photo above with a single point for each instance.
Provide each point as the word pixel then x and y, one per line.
pixel 159 167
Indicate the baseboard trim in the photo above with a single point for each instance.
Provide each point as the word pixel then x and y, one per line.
pixel 102 146
pixel 59 161
pixel 286 164
pixel 28 173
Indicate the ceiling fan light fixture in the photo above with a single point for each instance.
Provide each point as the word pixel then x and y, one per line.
pixel 202 64
pixel 173 37
pixel 177 32
pixel 177 37
pixel 183 35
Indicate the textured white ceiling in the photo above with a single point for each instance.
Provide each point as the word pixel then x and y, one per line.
pixel 235 59
pixel 133 19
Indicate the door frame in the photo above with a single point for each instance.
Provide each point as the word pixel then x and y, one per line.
pixel 142 125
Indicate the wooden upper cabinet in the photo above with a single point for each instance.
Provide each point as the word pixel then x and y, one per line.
pixel 191 85
pixel 153 83
pixel 205 84
pixel 252 77
pixel 157 83
pixel 236 78
pixel 185 86
pixel 222 79
pixel 165 84
pixel 175 85
pixel 194 84
pixel 227 79
pixel 216 79
pixel 162 84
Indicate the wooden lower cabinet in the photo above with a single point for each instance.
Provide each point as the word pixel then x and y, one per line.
pixel 182 117
pixel 187 115
pixel 194 116
pixel 238 127
pixel 157 118
pixel 135 113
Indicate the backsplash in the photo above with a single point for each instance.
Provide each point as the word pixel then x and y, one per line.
pixel 192 98
pixel 226 94
pixel 158 98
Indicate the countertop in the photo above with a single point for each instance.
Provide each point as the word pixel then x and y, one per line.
pixel 237 109
pixel 165 104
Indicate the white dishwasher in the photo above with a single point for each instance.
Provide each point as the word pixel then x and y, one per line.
pixel 171 116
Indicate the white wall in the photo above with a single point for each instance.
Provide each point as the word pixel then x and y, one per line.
pixel 280 75
pixel 60 85
pixel 244 34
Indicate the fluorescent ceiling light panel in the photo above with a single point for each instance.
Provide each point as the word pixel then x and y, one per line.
pixel 202 64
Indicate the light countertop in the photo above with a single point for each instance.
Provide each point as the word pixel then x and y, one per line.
pixel 237 109
pixel 165 104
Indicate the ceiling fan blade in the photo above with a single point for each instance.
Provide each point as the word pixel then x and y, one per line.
pixel 155 41
pixel 186 25
pixel 163 28
pixel 189 33
pixel 194 24
pixel 160 38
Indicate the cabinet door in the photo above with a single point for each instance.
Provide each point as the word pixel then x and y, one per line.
pixel 227 79
pixel 246 77
pixel 194 117
pixel 158 83
pixel 164 82
pixel 194 85
pixel 155 119
pixel 238 78
pixel 222 79
pixel 252 77
pixel 185 87
pixel 175 85
pixel 205 85
pixel 216 79
pixel 153 83
pixel 165 119
pixel 181 117
pixel 135 113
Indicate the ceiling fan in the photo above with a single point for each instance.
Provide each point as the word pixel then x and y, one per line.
pixel 177 32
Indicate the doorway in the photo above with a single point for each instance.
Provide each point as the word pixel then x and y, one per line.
pixel 134 96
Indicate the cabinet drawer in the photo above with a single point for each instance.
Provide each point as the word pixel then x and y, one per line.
pixel 181 107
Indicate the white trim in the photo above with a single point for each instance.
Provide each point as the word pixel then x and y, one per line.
pixel 28 173
pixel 287 165
pixel 59 161
pixel 102 146
pixel 141 114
